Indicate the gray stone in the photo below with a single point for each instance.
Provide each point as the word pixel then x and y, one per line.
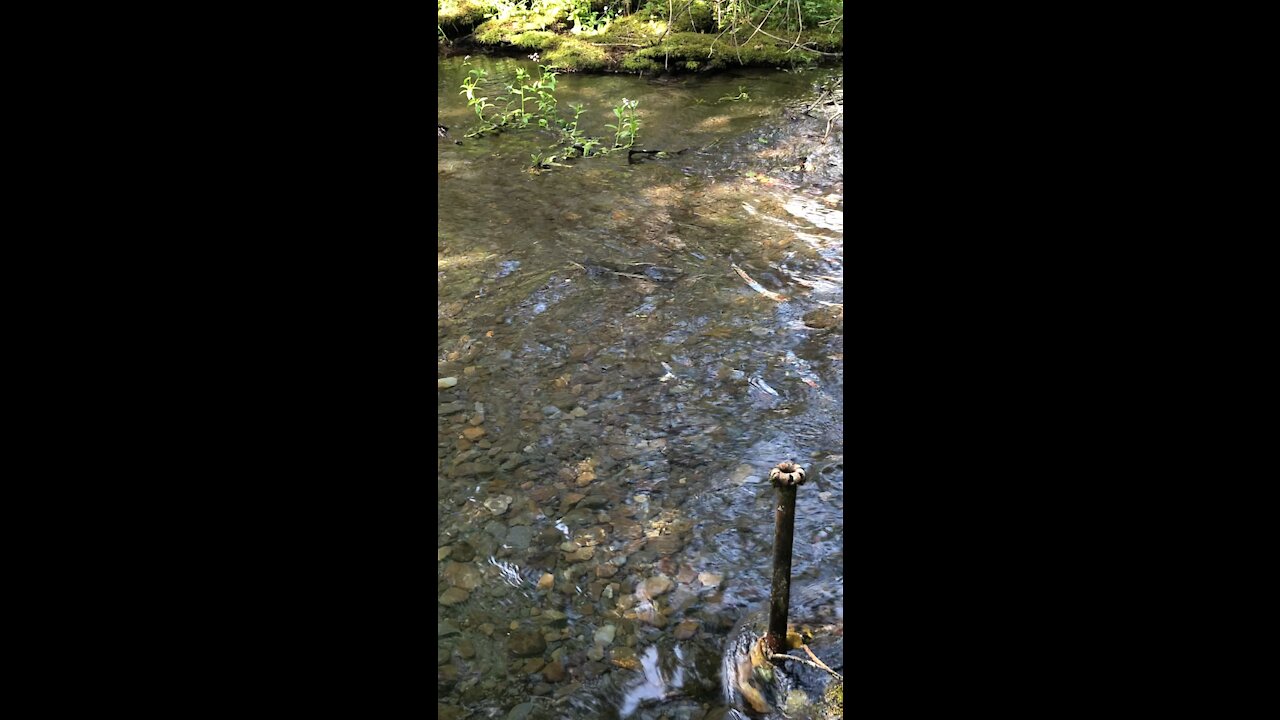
pixel 604 635
pixel 514 461
pixel 552 617
pixel 451 408
pixel 520 536
pixel 521 711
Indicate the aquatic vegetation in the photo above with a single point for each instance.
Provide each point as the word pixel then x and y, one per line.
pixel 742 95
pixel 628 124
pixel 518 113
pixel 479 105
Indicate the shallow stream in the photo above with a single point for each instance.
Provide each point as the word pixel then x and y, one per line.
pixel 634 347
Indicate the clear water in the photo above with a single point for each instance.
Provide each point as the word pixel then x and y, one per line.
pixel 623 392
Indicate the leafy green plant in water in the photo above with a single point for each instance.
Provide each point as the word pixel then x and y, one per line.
pixel 526 89
pixel 519 88
pixel 478 104
pixel 547 104
pixel 628 124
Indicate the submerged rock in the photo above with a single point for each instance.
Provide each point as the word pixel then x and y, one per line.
pixel 554 671
pixel 655 586
pixel 527 643
pixel 453 596
pixel 520 536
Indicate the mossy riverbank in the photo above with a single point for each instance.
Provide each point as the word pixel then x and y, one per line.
pixel 642 42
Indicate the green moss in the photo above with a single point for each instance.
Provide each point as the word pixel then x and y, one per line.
pixel 630 43
pixel 635 63
pixel 728 50
pixel 636 28
pixel 535 39
pixel 548 17
pixel 492 32
pixel 459 16
pixel 573 54
pixel 833 700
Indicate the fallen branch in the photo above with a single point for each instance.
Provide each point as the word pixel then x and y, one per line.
pixel 816 666
pixel 794 44
pixel 757 286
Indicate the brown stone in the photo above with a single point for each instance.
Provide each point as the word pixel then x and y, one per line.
pixel 686 630
pixel 655 586
pixel 453 596
pixel 823 318
pixel 473 433
pixel 582 554
pixel 554 672
pixel 527 643
pixel 667 544
pixel 464 575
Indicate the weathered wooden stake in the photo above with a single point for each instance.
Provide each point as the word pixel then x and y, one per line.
pixel 787 476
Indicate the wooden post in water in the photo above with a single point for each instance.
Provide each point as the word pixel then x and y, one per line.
pixel 787 476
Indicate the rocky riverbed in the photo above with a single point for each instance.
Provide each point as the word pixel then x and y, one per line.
pixel 604 441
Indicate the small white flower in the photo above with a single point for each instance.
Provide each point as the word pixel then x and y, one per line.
pixel 534 57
